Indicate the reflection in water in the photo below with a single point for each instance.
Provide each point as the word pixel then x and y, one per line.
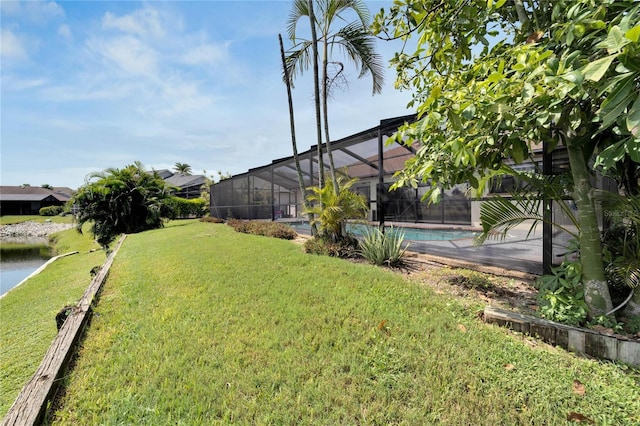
pixel 19 258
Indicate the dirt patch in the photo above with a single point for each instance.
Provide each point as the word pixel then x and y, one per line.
pixel 491 286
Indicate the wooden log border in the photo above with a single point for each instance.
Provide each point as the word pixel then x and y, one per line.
pixel 30 406
pixel 579 340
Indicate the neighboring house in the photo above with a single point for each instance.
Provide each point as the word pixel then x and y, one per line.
pixel 189 186
pixel 25 200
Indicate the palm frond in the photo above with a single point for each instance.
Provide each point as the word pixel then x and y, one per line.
pixel 500 215
pixel 299 9
pixel 624 271
pixel 358 45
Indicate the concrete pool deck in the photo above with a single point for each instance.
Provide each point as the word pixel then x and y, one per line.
pixel 516 252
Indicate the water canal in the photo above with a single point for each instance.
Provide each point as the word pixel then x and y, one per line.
pixel 19 257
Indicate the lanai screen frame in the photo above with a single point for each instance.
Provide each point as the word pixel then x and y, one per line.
pixel 364 155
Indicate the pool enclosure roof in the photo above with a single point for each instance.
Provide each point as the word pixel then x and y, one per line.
pixel 357 156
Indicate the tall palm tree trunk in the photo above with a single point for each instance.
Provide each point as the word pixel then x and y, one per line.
pixel 294 145
pixel 316 93
pixel 325 110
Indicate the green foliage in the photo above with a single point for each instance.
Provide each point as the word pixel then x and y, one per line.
pixel 498 215
pixel 332 209
pixel 182 168
pixel 561 294
pixel 183 208
pixel 381 248
pixel 266 229
pixel 567 71
pixel 621 240
pixel 608 322
pixel 51 210
pixel 118 201
pixel 321 245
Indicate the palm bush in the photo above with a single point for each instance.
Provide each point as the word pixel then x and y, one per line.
pixel 333 208
pixel 381 248
pixel 118 201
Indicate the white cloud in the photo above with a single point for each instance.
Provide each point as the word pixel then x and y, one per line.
pixel 143 22
pixel 64 31
pixel 128 53
pixel 17 83
pixel 33 11
pixel 205 54
pixel 12 46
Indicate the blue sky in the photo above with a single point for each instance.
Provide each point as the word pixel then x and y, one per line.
pixel 87 85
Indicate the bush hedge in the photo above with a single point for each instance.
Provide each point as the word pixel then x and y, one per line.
pixel 51 210
pixel 267 229
pixel 183 208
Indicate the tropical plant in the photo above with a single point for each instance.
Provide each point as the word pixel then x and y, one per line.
pixel 498 215
pixel 126 200
pixel 332 208
pixel 563 72
pixel 621 238
pixel 182 168
pixel 354 40
pixel 622 247
pixel 383 247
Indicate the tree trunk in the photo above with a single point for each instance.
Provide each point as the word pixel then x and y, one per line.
pixel 596 289
pixel 316 93
pixel 325 109
pixel 294 145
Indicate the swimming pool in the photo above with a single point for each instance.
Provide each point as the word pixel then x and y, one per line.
pixel 410 234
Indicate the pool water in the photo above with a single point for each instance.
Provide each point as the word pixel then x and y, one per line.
pixel 412 234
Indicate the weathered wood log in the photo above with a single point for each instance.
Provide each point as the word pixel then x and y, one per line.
pixel 30 406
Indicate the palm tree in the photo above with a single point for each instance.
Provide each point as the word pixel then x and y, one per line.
pixel 182 168
pixel 127 200
pixel 333 208
pixel 294 145
pixel 354 40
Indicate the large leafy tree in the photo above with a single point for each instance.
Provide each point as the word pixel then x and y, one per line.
pixel 493 79
pixel 126 200
pixel 331 31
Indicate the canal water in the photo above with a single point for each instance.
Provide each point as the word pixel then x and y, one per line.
pixel 19 258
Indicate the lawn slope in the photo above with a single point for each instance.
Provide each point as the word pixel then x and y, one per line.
pixel 200 325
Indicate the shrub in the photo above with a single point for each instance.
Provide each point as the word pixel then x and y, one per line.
pixel 380 247
pixel 211 219
pixel 266 229
pixel 561 294
pixel 183 208
pixel 325 246
pixel 51 210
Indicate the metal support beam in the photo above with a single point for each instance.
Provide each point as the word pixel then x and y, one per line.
pixel 380 186
pixel 547 206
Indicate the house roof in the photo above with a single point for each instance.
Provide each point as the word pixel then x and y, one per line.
pixel 185 181
pixel 164 173
pixel 30 193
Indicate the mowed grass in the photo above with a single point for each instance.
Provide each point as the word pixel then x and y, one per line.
pixel 198 324
pixel 27 313
pixel 13 219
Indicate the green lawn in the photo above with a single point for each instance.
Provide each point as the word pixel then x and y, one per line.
pixel 27 313
pixel 201 325
pixel 9 219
